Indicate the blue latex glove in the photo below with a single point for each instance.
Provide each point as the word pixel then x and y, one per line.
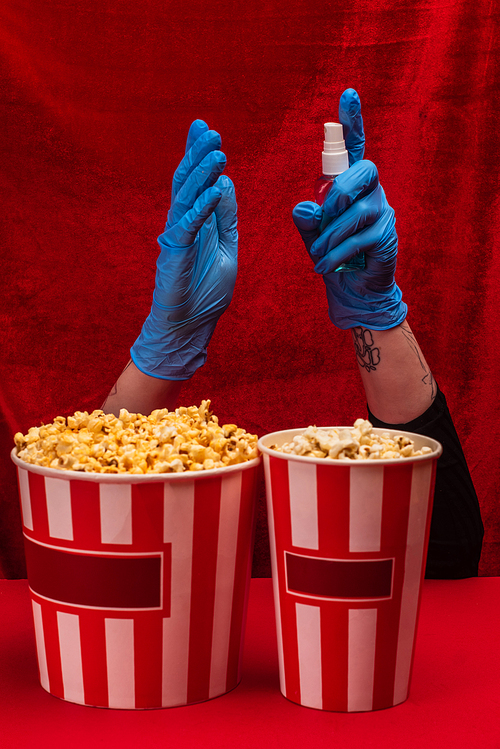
pixel 196 269
pixel 363 221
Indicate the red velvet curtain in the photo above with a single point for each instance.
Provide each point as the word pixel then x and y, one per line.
pixel 97 97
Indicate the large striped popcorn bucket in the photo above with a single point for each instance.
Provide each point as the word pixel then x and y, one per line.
pixel 139 583
pixel 348 550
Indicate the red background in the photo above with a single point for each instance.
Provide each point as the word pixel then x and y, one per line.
pixel 97 98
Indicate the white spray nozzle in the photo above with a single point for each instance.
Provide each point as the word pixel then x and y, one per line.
pixel 334 157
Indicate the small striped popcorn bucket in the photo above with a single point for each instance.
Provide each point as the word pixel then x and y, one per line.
pixel 139 583
pixel 348 550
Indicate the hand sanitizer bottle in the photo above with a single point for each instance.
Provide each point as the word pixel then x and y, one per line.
pixel 335 160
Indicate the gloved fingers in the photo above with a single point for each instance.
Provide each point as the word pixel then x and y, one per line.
pixel 226 215
pixel 205 143
pixel 382 257
pixel 369 240
pixel 307 218
pixel 351 119
pixel 360 180
pixel 364 212
pixel 203 176
pixel 197 128
pixel 183 233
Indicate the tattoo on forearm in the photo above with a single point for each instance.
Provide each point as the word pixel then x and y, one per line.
pixel 427 379
pixel 367 354
pixel 114 389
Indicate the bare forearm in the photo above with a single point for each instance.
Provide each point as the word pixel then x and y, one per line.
pixel 398 383
pixel 140 393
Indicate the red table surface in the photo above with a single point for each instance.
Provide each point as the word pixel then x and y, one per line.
pixel 454 699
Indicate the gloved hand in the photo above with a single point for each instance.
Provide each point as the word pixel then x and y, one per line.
pixel 363 221
pixel 197 265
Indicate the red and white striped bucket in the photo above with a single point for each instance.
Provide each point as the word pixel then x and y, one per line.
pixel 139 584
pixel 348 550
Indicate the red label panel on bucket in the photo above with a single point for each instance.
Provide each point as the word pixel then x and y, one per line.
pixel 349 579
pixel 85 579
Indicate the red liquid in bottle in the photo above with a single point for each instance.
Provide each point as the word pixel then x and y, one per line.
pixel 322 187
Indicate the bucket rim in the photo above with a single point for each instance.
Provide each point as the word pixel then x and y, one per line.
pixel 286 435
pixel 131 478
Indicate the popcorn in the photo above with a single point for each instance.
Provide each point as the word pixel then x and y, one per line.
pixel 187 439
pixel 359 443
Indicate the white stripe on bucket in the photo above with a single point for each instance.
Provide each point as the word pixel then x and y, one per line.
pixel 116 513
pixel 420 487
pixel 224 581
pixel 68 626
pixel 309 650
pixel 24 491
pixel 119 635
pixel 365 508
pixel 178 519
pixel 274 568
pixel 40 646
pixel 361 658
pixel 303 504
pixel 57 492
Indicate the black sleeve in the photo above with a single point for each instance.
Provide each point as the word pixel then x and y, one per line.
pixel 456 528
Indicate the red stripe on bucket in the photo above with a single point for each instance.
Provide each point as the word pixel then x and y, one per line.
pixel 205 542
pixel 147 530
pixel 334 654
pixel 333 526
pixel 333 510
pixel 147 516
pixel 86 515
pixel 93 643
pixel 148 633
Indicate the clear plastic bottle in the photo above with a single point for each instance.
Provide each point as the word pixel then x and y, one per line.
pixel 335 160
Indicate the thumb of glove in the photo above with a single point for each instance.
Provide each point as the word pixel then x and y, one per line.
pixel 307 218
pixel 226 215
